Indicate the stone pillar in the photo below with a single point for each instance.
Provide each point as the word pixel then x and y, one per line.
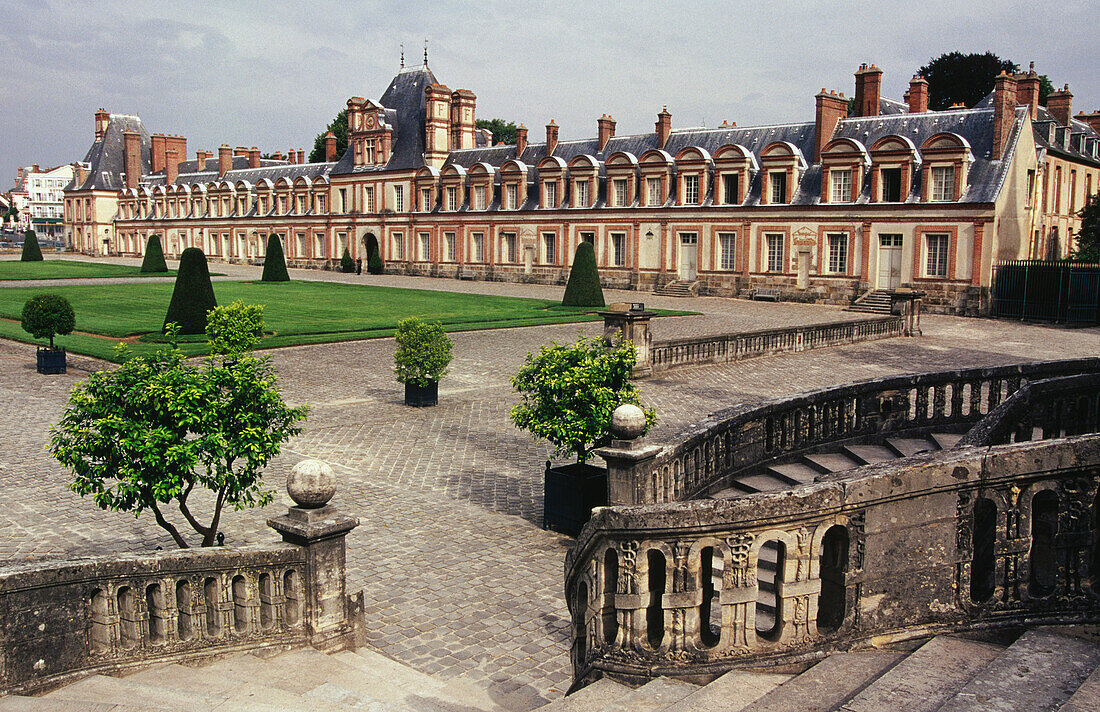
pixel 320 529
pixel 630 472
pixel 633 321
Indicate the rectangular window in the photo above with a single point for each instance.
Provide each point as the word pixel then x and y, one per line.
pixel 653 191
pixel 936 263
pixel 1072 192
pixel 343 200
pixel 943 183
pixel 620 192
pixel 549 245
pixel 731 188
pixel 449 246
pixel 399 198
pixel 727 242
pixel 318 246
pixel 1030 188
pixel 368 199
pixel 890 240
pixel 838 253
pixel 368 152
pixel 891 185
pixel 589 237
pixel 1057 189
pixel 775 251
pixel 551 194
pixel 398 245
pixel 452 199
pixel 508 246
pixel 582 194
pixel 479 246
pixel 691 190
pixel 778 180
pixel 425 199
pixel 425 247
pixel 840 183
pixel 511 191
pixel 618 249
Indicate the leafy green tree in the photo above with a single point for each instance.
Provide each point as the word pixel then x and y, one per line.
pixel 146 435
pixel 374 258
pixel 154 256
pixel 339 128
pixel 274 261
pixel 47 315
pixel 1087 240
pixel 503 131
pixel 423 352
pixel 347 264
pixel 12 214
pixel 583 288
pixel 31 251
pixel 571 390
pixel 235 328
pixel 955 77
pixel 193 295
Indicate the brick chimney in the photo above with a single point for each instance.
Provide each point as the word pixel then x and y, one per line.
pixel 521 140
pixel 200 159
pixel 159 146
pixel 1004 113
pixel 1060 104
pixel 291 157
pixel 225 160
pixel 831 108
pixel 1027 91
pixel 606 129
pixel 102 118
pixel 1092 119
pixel 240 152
pixel 301 156
pixel 551 137
pixel 918 95
pixel 253 157
pixel 171 166
pixel 330 147
pixel 663 127
pixel 868 90
pixel 80 174
pixel 131 157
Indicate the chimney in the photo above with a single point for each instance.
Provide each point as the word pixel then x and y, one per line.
pixel 1092 119
pixel 918 95
pixel 131 157
pixel 240 152
pixel 551 137
pixel 301 156
pixel 177 144
pixel 330 147
pixel 171 166
pixel 1004 113
pixel 606 126
pixel 80 174
pixel 102 118
pixel 1060 104
pixel 663 127
pixel 160 145
pixel 291 157
pixel 868 90
pixel 521 140
pixel 1027 91
pixel 831 108
pixel 225 160
pixel 200 159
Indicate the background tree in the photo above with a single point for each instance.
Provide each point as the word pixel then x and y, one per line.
pixel 1087 240
pixel 374 258
pixel 12 214
pixel 31 251
pixel 235 329
pixel 955 77
pixel 571 390
pixel 47 315
pixel 347 264
pixel 503 131
pixel 149 433
pixel 339 128
pixel 193 295
pixel 583 288
pixel 274 262
pixel 154 256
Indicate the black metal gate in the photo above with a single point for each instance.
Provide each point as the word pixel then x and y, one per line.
pixel 1042 290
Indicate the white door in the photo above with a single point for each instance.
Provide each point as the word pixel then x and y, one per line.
pixel 689 255
pixel 889 261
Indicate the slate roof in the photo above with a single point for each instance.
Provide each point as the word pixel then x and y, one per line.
pixel 1070 142
pixel 106 156
pixel 270 169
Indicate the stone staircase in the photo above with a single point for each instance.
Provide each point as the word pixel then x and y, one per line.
pixel 1054 669
pixel 679 288
pixel 874 302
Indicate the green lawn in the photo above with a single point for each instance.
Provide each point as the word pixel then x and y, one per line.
pixel 69 269
pixel 295 312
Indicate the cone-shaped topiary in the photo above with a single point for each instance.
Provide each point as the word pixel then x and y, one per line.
pixel 31 251
pixel 374 259
pixel 193 296
pixel 274 262
pixel 583 288
pixel 347 264
pixel 154 256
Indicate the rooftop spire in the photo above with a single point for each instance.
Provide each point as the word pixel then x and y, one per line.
pixel 425 53
pixel 402 55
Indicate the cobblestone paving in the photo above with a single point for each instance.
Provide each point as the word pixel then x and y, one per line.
pixel 457 577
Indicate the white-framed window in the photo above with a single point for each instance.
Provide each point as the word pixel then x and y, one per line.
pixel 840 185
pixel 653 191
pixel 368 152
pixel 582 194
pixel 449 247
pixel 508 246
pixel 691 190
pixel 478 239
pixel 399 198
pixel 424 244
pixel 479 197
pixel 778 181
pixel 343 200
pixel 774 241
pixel 425 200
pixel 935 264
pixel 620 192
pixel 398 246
pixel 727 244
pixel 549 248
pixel 318 245
pixel 943 183
pixel 511 192
pixel 838 253
pixel 551 188
pixel 452 198
pixel 368 199
pixel 320 203
pixel 618 249
pixel 731 188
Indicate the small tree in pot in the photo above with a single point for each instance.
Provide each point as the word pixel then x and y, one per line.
pixel 46 316
pixel 421 359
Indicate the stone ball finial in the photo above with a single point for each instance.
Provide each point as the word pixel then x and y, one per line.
pixel 627 422
pixel 311 484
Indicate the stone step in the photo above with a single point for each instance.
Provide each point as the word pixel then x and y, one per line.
pixel 651 697
pixel 729 693
pixel 296 671
pixel 795 473
pixel 830 683
pixel 119 691
pixel 870 454
pixel 1087 697
pixel 1037 673
pixel 761 482
pixel 946 441
pixel 927 678
pixel 593 697
pixel 825 462
pixel 18 703
pixel 389 676
pixel 908 447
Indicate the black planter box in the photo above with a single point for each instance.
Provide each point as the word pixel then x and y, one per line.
pixel 569 494
pixel 420 397
pixel 51 361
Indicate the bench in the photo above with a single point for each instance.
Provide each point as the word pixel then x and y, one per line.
pixel 467 274
pixel 771 295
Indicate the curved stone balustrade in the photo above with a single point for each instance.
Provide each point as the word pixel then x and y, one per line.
pixel 961 538
pixel 1041 410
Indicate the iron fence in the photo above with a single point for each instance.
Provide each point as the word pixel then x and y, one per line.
pixel 1042 290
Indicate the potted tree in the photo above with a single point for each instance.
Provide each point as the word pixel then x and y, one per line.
pixel 421 359
pixel 45 316
pixel 569 393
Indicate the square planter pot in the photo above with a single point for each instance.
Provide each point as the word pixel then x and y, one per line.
pixel 420 397
pixel 569 494
pixel 51 361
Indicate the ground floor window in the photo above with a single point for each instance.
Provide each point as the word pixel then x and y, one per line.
pixel 425 246
pixel 727 242
pixel 549 245
pixel 319 245
pixel 774 242
pixel 618 249
pixel 398 246
pixel 508 246
pixel 936 256
pixel 449 246
pixel 838 253
pixel 479 246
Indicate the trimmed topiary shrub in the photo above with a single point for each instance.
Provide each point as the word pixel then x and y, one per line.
pixel 193 296
pixel 274 262
pixel 154 256
pixel 347 264
pixel 374 258
pixel 47 315
pixel 31 251
pixel 583 288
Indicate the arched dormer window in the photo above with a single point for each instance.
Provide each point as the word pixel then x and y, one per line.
pixel 427 189
pixel 453 180
pixel 243 198
pixel 199 203
pixel 584 176
pixel 734 168
pixel 482 180
pixel 552 176
pixel 160 202
pixel 894 165
pixel 782 165
pixel 265 194
pixel 282 197
pixel 183 201
pixel 301 195
pixel 843 161
pixel 622 179
pixel 513 184
pixel 655 168
pixel 693 166
pixel 320 195
pixel 946 164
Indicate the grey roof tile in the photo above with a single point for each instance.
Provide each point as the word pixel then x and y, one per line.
pixel 106 156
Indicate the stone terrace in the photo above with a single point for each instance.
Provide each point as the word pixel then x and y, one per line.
pixel 458 578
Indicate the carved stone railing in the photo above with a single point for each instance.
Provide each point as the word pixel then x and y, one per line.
pixel 957 539
pixel 711 454
pixel 1042 410
pixel 724 348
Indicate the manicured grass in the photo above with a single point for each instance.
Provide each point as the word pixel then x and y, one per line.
pixel 295 312
pixel 70 269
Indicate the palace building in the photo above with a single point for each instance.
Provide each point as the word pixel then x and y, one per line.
pixel 890 195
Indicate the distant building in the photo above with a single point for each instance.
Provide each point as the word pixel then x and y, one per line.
pixel 824 210
pixel 43 195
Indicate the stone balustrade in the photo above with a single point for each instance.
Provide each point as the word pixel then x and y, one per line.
pixel 1041 410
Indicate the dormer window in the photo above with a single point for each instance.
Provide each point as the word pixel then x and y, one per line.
pixel 368 152
pixel 778 181
pixel 582 194
pixel 452 199
pixel 731 188
pixel 551 191
pixel 425 200
pixel 943 183
pixel 947 157
pixel 691 190
pixel 840 182
pixel 512 200
pixel 653 191
pixel 891 185
pixel 479 197
pixel 620 192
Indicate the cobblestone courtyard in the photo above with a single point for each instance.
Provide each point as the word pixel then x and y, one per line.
pixel 458 578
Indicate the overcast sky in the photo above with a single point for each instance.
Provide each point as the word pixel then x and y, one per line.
pixel 273 74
